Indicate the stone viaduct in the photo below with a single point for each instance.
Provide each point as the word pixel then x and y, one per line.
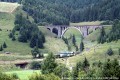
pixel 60 30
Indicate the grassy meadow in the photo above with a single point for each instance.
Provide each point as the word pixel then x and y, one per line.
pixel 8 7
pixel 24 74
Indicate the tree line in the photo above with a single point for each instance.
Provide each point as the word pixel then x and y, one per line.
pixel 62 12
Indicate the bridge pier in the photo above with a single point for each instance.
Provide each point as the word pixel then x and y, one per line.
pixel 59 32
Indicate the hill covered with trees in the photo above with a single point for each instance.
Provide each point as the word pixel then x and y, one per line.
pixel 61 12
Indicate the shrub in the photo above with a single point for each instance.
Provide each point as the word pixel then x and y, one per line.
pixel 5 77
pixel 110 52
pixel 10 35
pixel 1 48
pixel 4 45
pixel 15 76
pixel 35 65
pixel 44 77
pixel 13 38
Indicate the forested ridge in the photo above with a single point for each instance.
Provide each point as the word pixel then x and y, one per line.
pixel 61 12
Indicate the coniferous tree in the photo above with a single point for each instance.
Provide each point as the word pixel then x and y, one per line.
pixel 13 38
pixel 81 46
pixel 62 71
pixel 22 37
pixel 43 38
pixel 110 52
pixel 74 40
pixel 102 37
pixel 85 63
pixel 1 48
pixel 40 42
pixel 76 47
pixel 99 64
pixel 10 35
pixel 33 40
pixel 65 40
pixel 69 47
pixel 4 45
pixel 35 52
pixel 76 70
pixel 35 65
pixel 49 64
pixel 119 51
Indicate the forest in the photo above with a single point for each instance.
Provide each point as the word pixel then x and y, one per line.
pixel 62 12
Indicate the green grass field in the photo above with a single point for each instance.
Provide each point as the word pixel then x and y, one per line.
pixel 6 21
pixel 8 7
pixel 24 74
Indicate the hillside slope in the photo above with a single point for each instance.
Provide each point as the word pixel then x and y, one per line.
pixel 15 47
pixel 93 51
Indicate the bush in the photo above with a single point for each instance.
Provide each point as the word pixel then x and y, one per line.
pixel 15 76
pixel 44 77
pixel 35 65
pixel 62 71
pixel 13 38
pixel 5 77
pixel 11 35
pixel 110 52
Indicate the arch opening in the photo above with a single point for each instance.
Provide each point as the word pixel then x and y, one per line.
pixel 72 31
pixel 55 31
pixel 48 29
pixel 69 33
